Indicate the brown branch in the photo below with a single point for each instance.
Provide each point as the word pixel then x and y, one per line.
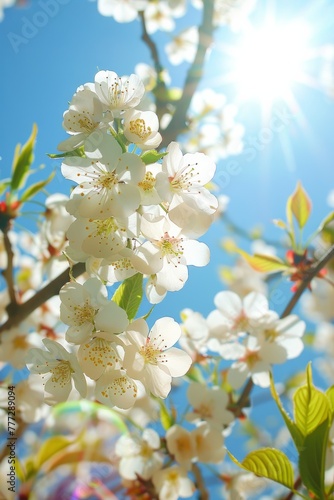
pixel 203 493
pixel 151 45
pixel 315 269
pixel 8 273
pixel 178 122
pixel 40 297
pixel 296 487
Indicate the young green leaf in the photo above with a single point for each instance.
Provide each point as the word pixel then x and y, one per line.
pixel 166 418
pixel 49 448
pixel 330 396
pixel 23 159
pixel 264 263
pixel 301 205
pixel 35 188
pixel 76 152
pixel 295 433
pixel 4 185
pixel 152 156
pixel 129 295
pixel 329 218
pixel 269 463
pixel 312 460
pixel 311 406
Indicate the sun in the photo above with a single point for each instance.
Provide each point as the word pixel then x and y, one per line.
pixel 269 61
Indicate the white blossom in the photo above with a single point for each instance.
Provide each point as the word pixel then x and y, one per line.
pixel 62 365
pixel 139 455
pixel 209 405
pixel 118 93
pixel 107 181
pixel 150 357
pixel 172 483
pixel 141 128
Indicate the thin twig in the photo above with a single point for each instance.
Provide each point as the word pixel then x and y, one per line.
pixel 40 297
pixel 8 273
pixel 315 269
pixel 203 492
pixel 296 486
pixel 178 122
pixel 151 45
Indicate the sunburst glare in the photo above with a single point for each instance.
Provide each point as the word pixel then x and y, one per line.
pixel 269 61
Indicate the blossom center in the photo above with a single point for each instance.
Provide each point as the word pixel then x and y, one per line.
pixel 118 93
pixel 108 180
pixel 271 334
pixel 84 314
pixel 150 353
pixel 148 183
pixel 138 127
pixel 145 450
pixel 183 179
pixel 61 373
pixel 170 245
pixel 86 124
pixel 241 323
pixel 251 358
pixel 105 227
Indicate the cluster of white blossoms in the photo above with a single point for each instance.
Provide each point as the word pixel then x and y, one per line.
pixel 132 213
pixel 246 332
pixel 133 210
pixel 168 463
pixel 113 353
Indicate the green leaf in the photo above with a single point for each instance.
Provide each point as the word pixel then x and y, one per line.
pixel 49 448
pixel 129 295
pixel 312 460
pixel 4 185
pixel 195 374
pixel 330 396
pixel 295 433
pixel 23 159
pixel 152 156
pixel 329 218
pixel 149 312
pixel 289 216
pixel 264 263
pixel 166 418
pixel 311 406
pixel 76 152
pixel 35 188
pixel 269 463
pixel 19 470
pixel 301 205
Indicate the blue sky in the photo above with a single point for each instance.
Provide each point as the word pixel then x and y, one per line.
pixel 47 54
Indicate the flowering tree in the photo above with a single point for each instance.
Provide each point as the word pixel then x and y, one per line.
pixel 155 404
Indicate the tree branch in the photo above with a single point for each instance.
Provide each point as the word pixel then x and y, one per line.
pixel 203 493
pixel 315 269
pixel 151 45
pixel 8 273
pixel 178 122
pixel 40 297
